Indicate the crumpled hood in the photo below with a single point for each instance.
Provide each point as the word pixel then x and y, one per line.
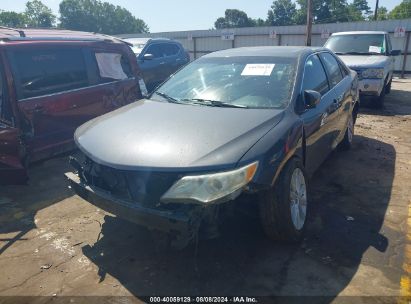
pixel 366 61
pixel 162 135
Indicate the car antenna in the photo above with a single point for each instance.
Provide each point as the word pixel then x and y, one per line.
pixel 21 32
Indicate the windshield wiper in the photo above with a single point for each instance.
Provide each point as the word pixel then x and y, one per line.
pixel 213 103
pixel 168 97
pixel 356 53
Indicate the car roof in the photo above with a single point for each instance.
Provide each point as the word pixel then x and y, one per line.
pixel 24 34
pixel 147 40
pixel 276 51
pixel 137 40
pixel 359 33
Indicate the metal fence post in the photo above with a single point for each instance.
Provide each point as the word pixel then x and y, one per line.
pixel 194 48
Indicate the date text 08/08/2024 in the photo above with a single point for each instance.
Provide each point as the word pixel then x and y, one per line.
pixel 203 300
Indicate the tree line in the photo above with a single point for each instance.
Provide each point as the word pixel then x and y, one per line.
pixel 287 12
pixel 106 18
pixel 82 15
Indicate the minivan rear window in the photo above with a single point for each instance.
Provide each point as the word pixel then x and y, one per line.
pixel 41 72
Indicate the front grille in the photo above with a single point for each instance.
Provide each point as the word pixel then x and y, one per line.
pixel 144 187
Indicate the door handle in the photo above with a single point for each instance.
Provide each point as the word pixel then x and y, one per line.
pixel 162 63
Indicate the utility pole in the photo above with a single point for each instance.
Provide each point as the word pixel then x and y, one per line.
pixel 376 10
pixel 309 22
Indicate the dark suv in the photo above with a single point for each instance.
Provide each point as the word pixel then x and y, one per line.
pixel 158 58
pixel 52 81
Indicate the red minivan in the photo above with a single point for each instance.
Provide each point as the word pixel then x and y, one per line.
pixel 51 82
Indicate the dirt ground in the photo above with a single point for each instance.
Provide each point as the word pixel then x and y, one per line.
pixel 358 242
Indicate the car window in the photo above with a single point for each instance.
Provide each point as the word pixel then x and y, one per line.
pixel 333 68
pixel 113 66
pixel 314 76
pixel 45 71
pixel 156 50
pixel 171 49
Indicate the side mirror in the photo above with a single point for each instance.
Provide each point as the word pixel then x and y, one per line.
pixel 395 52
pixel 148 57
pixel 311 99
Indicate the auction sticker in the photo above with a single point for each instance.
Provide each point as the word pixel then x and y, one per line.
pixel 258 69
pixel 374 49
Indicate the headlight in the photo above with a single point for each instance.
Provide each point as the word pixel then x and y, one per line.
pixel 210 188
pixel 373 73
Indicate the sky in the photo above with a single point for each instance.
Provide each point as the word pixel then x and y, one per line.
pixel 180 15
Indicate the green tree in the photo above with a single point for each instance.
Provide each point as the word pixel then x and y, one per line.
pixel 12 19
pixel 234 18
pixel 354 14
pixel 283 12
pixel 382 13
pixel 328 11
pixel 362 6
pixel 38 14
pixel 401 11
pixel 98 16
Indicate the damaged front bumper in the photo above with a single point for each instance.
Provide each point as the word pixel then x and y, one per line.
pixel 181 224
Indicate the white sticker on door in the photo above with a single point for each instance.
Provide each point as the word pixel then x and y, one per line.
pixel 258 69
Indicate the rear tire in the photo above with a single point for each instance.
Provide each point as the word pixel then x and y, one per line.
pixel 283 209
pixel 346 143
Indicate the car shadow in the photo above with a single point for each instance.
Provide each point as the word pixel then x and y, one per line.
pixel 349 195
pixel 398 102
pixel 20 203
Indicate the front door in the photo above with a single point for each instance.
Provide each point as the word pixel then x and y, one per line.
pixel 316 120
pixel 51 83
pixel 154 70
pixel 58 89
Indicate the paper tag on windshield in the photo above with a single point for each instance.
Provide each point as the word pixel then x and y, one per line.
pixel 374 49
pixel 258 69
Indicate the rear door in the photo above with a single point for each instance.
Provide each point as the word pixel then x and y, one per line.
pixel 341 92
pixel 12 170
pixel 117 77
pixel 174 57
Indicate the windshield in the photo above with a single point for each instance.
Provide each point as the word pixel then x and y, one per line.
pixel 357 43
pixel 252 82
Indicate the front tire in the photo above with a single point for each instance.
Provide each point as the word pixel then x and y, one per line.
pixel 379 101
pixel 283 209
pixel 388 87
